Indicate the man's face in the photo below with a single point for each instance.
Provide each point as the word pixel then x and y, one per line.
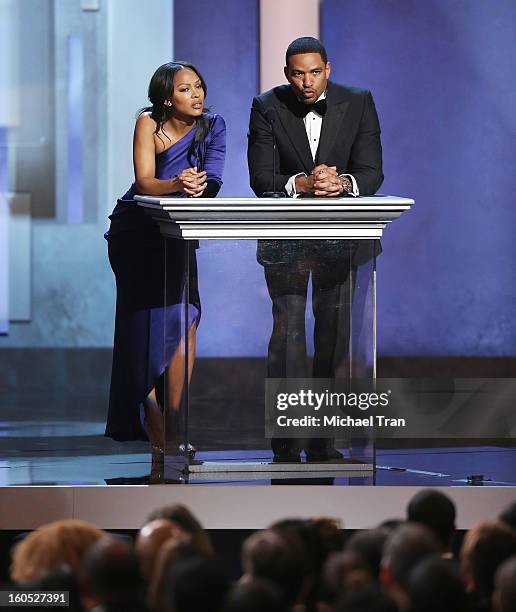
pixel 307 75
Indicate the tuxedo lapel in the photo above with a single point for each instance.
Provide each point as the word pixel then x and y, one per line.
pixel 295 129
pixel 331 124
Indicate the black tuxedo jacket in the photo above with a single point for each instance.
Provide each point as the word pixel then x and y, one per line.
pixel 350 140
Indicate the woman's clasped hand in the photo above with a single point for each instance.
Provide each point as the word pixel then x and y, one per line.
pixel 191 182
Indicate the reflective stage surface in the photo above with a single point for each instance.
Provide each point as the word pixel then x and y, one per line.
pixel 51 441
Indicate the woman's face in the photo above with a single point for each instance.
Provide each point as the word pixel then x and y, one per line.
pixel 188 95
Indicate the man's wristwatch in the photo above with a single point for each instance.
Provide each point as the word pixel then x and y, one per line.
pixel 347 185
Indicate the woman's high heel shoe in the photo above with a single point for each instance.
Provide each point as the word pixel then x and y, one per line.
pixel 158 454
pixel 155 432
pixel 188 452
pixel 154 425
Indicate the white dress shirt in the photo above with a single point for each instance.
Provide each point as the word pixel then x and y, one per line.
pixel 313 124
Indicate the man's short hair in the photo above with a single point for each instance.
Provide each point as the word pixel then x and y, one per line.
pixel 111 573
pixel 435 584
pixel 370 599
pixel 278 557
pixel 197 585
pixel 182 516
pixel 344 572
pixel 369 545
pixel 436 511
pixel 406 546
pixel 306 44
pixel 255 596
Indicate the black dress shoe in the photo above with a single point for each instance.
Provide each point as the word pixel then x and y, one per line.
pixel 330 455
pixel 286 457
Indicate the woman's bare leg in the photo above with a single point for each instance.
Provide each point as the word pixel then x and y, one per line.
pixel 176 371
pixel 154 423
pixel 175 384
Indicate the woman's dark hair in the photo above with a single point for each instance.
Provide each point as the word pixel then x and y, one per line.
pixel 161 87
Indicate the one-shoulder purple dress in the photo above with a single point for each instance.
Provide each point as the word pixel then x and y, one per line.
pixel 147 334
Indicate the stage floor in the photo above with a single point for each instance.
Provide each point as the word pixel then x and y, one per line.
pixel 56 438
pixel 58 468
pixel 43 460
pixel 55 462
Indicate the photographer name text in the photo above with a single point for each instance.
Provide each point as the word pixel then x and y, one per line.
pixel 377 420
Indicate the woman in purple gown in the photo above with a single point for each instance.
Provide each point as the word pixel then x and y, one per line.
pixel 178 150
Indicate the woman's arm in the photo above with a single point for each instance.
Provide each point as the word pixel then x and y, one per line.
pixel 144 159
pixel 215 157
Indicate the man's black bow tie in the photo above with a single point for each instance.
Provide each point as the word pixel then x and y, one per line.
pixel 319 107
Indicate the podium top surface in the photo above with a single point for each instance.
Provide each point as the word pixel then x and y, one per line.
pixel 274 218
pixel 370 203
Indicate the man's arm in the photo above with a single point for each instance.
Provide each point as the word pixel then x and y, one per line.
pixel 365 163
pixel 259 153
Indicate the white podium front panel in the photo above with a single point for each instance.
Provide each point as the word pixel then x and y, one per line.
pixel 253 218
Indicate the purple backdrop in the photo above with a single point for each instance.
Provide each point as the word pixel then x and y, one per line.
pixel 221 39
pixel 443 78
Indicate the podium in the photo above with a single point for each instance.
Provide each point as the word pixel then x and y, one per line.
pixel 219 401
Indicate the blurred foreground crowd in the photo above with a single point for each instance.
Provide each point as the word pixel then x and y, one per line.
pixel 296 565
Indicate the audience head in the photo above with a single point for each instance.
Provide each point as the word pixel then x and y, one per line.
pixel 59 579
pixel 110 576
pixel 255 595
pixel 436 511
pixel 369 545
pixel 197 585
pixel 485 547
pixel 172 552
pixel 149 541
pixel 329 538
pixel 57 544
pixel 504 596
pixel 370 599
pixel 295 561
pixel 183 518
pixel 278 557
pixel 343 573
pixel 508 516
pixel 435 585
pixel 320 538
pixel 391 524
pixel 406 546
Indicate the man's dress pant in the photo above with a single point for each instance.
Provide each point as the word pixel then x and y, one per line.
pixel 333 281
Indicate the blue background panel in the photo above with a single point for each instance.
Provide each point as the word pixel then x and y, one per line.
pixel 443 79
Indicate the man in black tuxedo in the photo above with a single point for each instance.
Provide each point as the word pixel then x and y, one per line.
pixel 327 145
